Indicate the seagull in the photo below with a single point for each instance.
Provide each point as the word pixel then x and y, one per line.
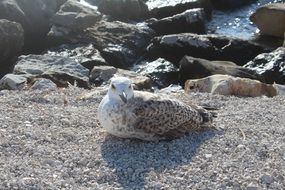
pixel 126 113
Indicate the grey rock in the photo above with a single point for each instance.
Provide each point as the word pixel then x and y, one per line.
pixel 270 65
pixel 195 68
pixel 13 82
pixel 130 9
pixel 162 72
pixel 73 16
pixel 60 70
pixel 266 179
pixel 101 75
pixel 33 16
pixel 86 55
pixel 11 43
pixel 163 8
pixel 270 19
pixel 212 47
pixel 43 84
pixel 192 21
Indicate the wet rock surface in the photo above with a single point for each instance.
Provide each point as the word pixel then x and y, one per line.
pixel 192 20
pixel 195 68
pixel 212 47
pixel 162 8
pixel 270 65
pixel 162 72
pixel 11 44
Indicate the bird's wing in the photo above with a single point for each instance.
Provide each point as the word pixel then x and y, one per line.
pixel 155 114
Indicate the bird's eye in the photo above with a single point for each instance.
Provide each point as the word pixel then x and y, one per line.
pixel 113 87
pixel 130 86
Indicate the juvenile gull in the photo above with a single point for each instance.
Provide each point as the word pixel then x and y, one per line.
pixel 126 113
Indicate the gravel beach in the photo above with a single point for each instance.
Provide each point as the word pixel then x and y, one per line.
pixel 52 140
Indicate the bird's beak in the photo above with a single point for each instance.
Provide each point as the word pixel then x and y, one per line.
pixel 123 96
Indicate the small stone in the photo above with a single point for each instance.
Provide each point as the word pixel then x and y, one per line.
pixel 240 146
pixel 267 179
pixel 208 156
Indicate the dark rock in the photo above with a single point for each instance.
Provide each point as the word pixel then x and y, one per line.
pixel 60 70
pixel 13 82
pixel 119 43
pixel 34 16
pixel 11 43
pixel 130 9
pixel 162 8
pixel 195 68
pixel 101 75
pixel 230 4
pixel 211 47
pixel 162 72
pixel 270 65
pixel 86 55
pixel 192 20
pixel 270 19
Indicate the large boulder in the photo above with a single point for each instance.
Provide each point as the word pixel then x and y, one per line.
pixel 34 16
pixel 130 9
pixel 73 17
pixel 270 65
pixel 120 43
pixel 192 20
pixel 13 82
pixel 85 54
pixel 162 72
pixel 101 75
pixel 11 43
pixel 228 85
pixel 270 19
pixel 162 8
pixel 60 70
pixel 212 47
pixel 195 68
pixel 230 4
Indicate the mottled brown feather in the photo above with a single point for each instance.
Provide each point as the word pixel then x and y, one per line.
pixel 163 116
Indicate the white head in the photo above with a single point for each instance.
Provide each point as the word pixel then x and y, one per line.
pixel 121 89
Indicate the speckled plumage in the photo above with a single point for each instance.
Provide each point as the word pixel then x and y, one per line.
pixel 147 116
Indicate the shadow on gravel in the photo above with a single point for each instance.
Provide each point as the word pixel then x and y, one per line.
pixel 132 160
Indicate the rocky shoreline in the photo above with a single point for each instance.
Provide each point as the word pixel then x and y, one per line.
pixel 75 39
pixel 56 60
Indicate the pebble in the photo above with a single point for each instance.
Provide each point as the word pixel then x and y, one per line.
pixel 267 179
